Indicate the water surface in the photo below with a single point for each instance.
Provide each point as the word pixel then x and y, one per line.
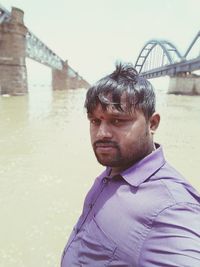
pixel 47 166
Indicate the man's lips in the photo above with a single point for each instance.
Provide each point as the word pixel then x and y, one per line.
pixel 105 146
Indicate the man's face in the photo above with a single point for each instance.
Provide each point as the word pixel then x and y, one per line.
pixel 119 138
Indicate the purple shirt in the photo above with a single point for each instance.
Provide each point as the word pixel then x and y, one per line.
pixel 148 216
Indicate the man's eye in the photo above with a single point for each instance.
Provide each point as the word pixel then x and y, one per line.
pixel 116 121
pixel 95 121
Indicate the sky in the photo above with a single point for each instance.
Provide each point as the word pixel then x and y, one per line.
pixel 93 34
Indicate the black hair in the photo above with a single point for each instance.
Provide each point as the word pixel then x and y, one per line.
pixel 107 91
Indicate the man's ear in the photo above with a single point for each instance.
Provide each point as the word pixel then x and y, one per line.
pixel 154 122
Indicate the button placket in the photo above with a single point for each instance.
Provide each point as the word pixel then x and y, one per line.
pixel 90 206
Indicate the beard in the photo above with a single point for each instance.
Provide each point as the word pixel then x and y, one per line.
pixel 122 158
pixel 112 159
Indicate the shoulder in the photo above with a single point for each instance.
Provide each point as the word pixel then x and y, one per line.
pixel 179 189
pixel 173 234
pixel 164 190
pixel 173 237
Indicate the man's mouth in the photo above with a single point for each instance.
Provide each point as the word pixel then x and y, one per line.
pixel 104 147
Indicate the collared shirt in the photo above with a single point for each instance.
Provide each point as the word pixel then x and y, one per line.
pixel 148 216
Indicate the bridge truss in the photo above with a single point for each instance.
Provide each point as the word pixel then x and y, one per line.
pixel 38 51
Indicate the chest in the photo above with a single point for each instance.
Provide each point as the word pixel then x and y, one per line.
pixel 113 224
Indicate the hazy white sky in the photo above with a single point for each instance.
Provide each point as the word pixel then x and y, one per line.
pixel 93 34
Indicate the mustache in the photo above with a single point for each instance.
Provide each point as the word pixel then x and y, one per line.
pixel 105 142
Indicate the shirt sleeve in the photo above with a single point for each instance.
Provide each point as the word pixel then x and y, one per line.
pixel 174 239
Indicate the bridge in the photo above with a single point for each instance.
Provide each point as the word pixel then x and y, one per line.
pixel 17 43
pixel 159 58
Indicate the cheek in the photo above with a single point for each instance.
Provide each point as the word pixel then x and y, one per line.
pixel 92 134
pixel 132 135
pixel 125 140
pixel 132 132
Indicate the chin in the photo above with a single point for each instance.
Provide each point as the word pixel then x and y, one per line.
pixel 108 163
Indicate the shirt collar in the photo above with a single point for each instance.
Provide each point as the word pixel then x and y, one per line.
pixel 143 169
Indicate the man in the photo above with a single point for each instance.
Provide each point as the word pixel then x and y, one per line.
pixel 140 212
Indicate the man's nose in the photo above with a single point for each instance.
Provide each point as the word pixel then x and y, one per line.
pixel 104 131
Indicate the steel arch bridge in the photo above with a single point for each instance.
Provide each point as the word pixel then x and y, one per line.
pixel 160 57
pixel 157 53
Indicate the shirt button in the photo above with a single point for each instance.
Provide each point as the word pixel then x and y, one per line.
pixel 76 230
pixel 90 205
pixel 105 180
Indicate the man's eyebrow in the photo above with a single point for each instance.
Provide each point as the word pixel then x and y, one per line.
pixel 118 114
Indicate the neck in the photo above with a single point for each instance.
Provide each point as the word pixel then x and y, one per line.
pixel 117 170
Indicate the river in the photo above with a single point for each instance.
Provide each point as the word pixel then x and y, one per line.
pixel 47 166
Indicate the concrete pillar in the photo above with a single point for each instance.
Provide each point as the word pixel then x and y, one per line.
pixel 60 79
pixel 13 73
pixel 78 82
pixel 74 81
pixel 185 84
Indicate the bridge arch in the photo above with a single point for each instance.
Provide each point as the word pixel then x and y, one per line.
pixel 157 53
pixel 195 42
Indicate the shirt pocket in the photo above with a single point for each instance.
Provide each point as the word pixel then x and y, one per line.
pixel 96 246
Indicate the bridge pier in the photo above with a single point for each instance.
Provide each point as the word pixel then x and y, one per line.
pixel 13 73
pixel 63 79
pixel 185 83
pixel 59 78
